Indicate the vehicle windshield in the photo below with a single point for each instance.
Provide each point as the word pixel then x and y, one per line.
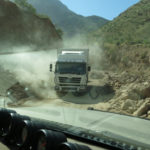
pixel 70 68
pixel 81 63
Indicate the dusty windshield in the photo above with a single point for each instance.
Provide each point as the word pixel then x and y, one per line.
pixel 106 68
pixel 73 68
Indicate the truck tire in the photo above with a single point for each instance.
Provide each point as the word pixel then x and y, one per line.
pixel 94 92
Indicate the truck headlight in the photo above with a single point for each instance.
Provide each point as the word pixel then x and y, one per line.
pixel 84 80
pixel 82 87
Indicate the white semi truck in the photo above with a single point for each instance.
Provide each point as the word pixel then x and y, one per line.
pixel 71 70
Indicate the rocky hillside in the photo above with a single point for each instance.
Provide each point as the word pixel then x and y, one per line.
pixel 69 22
pixel 125 42
pixel 132 93
pixel 130 27
pixel 126 39
pixel 20 28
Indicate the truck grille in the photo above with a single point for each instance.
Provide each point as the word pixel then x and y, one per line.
pixel 69 80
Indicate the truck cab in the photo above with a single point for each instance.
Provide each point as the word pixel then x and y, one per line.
pixel 71 70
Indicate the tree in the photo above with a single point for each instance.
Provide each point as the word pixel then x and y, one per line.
pixel 60 32
pixel 25 6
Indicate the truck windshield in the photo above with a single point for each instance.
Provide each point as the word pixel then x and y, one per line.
pixel 73 68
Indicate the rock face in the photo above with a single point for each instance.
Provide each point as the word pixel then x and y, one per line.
pixel 144 109
pixel 20 28
pixel 132 95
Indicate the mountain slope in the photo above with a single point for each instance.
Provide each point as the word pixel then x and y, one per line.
pixel 126 39
pixel 130 27
pixel 68 21
pixel 20 28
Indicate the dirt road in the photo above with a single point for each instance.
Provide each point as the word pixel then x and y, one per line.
pixel 123 92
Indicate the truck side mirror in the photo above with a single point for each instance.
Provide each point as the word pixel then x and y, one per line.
pixel 89 68
pixel 51 66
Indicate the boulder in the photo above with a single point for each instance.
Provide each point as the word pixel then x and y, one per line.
pixel 144 109
pixel 128 104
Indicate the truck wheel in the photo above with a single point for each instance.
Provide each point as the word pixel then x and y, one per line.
pixel 94 92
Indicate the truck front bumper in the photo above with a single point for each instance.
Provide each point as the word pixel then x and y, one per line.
pixel 71 88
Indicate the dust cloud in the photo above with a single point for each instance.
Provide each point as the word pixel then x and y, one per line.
pixel 95 51
pixel 32 69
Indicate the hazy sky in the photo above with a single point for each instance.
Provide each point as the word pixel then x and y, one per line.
pixel 108 9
